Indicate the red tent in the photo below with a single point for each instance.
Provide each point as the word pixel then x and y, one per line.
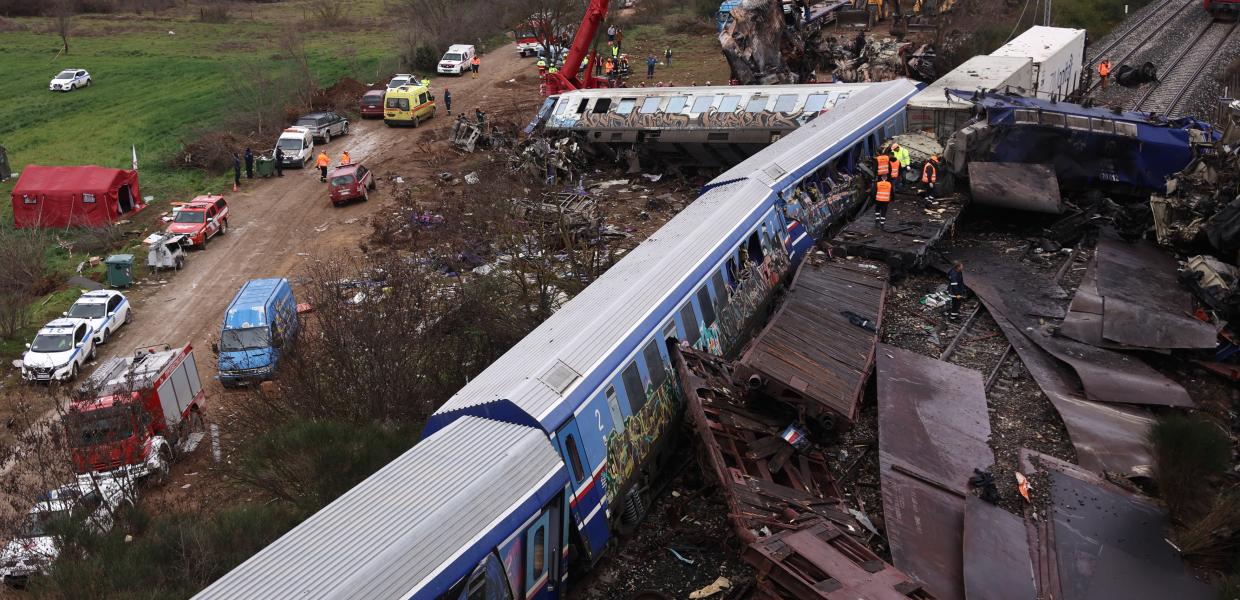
pixel 74 196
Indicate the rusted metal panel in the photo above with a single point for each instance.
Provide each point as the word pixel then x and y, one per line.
pixel 1104 542
pixel 767 483
pixel 810 355
pixel 1143 302
pixel 1009 288
pixel 932 432
pixel 821 562
pixel 996 554
pixel 910 232
pixel 1031 187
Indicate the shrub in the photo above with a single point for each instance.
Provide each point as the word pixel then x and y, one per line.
pixel 1189 451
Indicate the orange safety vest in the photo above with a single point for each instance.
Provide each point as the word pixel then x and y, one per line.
pixel 344 158
pixel 883 193
pixel 322 160
pixel 930 173
pixel 475 61
pixel 895 167
pixel 1104 68
pixel 884 165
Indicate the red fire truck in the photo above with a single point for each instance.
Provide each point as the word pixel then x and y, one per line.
pixel 135 414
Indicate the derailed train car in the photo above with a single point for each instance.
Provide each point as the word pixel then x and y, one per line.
pixel 693 126
pixel 528 470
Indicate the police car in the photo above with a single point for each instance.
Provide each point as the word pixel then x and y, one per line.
pixel 59 350
pixel 105 310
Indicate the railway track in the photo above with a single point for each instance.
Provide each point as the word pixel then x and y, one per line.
pixel 1184 72
pixel 1138 35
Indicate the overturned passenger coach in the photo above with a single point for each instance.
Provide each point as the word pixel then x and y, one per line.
pixel 706 126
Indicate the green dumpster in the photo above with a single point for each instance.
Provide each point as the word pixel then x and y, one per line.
pixel 265 165
pixel 120 270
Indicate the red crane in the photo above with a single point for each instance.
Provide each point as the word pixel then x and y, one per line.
pixel 566 79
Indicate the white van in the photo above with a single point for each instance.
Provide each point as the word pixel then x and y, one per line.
pixel 297 144
pixel 456 60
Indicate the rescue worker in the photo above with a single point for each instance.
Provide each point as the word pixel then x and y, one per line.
pixel 607 67
pixel 651 61
pixel 929 177
pixel 1104 71
pixel 479 116
pixel 667 57
pixel 955 290
pixel 447 100
pixel 344 159
pixel 884 166
pixel 895 169
pixel 279 163
pixel 474 63
pixel 322 161
pixel 542 67
pixel 882 201
pixel 249 164
pixel 236 171
pixel 553 69
pixel 615 54
pixel 426 82
pixel 901 153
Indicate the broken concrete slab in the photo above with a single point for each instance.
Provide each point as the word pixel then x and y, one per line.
pixel 1144 304
pixel 817 351
pixel 997 564
pixel 1016 292
pixel 1101 541
pixel 1019 186
pixel 933 430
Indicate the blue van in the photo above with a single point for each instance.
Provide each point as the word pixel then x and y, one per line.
pixel 258 324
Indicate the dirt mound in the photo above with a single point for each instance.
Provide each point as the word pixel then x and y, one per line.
pixel 214 151
pixel 344 95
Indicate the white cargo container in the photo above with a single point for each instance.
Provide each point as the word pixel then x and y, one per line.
pixel 931 110
pixel 1058 56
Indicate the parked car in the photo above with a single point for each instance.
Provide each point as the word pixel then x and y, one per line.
pixel 400 79
pixel 105 310
pixel 69 80
pixel 297 146
pixel 200 219
pixel 323 125
pixel 59 350
pixel 350 182
pixel 259 324
pixel 35 546
pixel 456 60
pixel 372 104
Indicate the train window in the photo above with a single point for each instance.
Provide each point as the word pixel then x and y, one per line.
pixel 632 379
pixel 708 310
pixel 540 551
pixel 729 103
pixel 676 104
pixel 654 364
pixel 574 458
pixel 581 107
pixel 1025 115
pixel 626 106
pixel 669 331
pixel 721 291
pixel 733 273
pixel 1053 118
pixel 814 103
pixel 784 103
pixel 601 105
pixel 701 103
pixel 613 406
pixel 476 589
pixel 1128 129
pixel 650 105
pixel 692 332
pixel 1103 125
pixel 755 248
pixel 756 104
pixel 1075 122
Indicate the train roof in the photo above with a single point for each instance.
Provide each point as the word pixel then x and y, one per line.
pixel 1039 42
pixel 532 382
pixel 691 90
pixel 979 72
pixel 413 528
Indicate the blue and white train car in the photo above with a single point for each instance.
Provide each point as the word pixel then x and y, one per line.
pixel 565 431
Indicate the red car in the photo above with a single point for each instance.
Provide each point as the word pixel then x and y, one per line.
pixel 372 104
pixel 350 182
pixel 201 218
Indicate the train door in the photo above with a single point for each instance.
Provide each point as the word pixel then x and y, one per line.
pixel 540 564
pixel 587 493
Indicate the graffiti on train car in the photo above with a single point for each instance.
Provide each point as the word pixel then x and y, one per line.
pixel 711 119
pixel 629 447
pixel 753 289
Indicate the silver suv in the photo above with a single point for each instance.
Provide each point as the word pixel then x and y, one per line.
pixel 323 125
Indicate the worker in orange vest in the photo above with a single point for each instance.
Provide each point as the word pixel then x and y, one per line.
pixel 884 165
pixel 474 63
pixel 895 168
pixel 344 159
pixel 882 200
pixel 1104 71
pixel 322 161
pixel 929 177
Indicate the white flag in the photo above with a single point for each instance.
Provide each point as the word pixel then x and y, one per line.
pixel 135 157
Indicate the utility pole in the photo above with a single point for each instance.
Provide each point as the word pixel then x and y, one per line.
pixel 1046 17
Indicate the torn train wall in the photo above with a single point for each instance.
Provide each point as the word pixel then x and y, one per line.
pixel 752 43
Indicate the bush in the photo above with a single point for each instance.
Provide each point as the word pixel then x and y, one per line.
pixel 424 58
pixel 1189 452
pixel 309 463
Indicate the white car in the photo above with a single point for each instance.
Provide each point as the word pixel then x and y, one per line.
pixel 456 60
pixel 69 80
pixel 36 545
pixel 59 351
pixel 105 310
pixel 401 79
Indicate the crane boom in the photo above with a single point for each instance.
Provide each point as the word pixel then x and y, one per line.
pixel 567 79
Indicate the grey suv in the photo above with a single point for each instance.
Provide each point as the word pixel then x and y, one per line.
pixel 323 125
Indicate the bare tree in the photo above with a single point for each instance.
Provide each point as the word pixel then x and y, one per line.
pixel 62 11
pixel 331 12
pixel 260 89
pixel 303 84
pixel 22 274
